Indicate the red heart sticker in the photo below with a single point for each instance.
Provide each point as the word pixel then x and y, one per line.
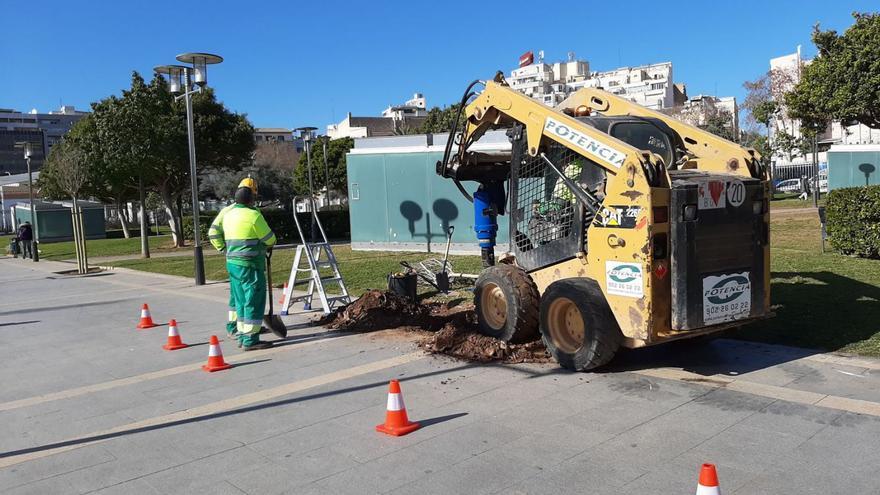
pixel 716 187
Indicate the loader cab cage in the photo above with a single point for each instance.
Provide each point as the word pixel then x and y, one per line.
pixel 643 133
pixel 548 222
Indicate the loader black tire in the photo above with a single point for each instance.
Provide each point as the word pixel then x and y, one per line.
pixel 507 304
pixel 577 324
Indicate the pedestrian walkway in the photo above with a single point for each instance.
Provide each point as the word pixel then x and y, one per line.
pixel 92 405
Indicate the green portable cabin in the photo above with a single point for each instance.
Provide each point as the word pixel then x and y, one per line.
pixel 397 202
pixel 54 222
pixel 853 165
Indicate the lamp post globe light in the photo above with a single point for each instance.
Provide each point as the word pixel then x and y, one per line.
pixel 307 134
pixel 196 72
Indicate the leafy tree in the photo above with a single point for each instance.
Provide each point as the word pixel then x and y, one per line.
pixel 336 151
pixel 69 173
pixel 282 155
pixel 764 112
pixel 843 81
pixel 274 185
pixel 762 103
pixel 786 144
pixel 441 119
pixel 720 123
pixel 758 141
pixel 143 134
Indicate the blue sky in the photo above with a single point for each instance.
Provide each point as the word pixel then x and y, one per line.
pixel 290 64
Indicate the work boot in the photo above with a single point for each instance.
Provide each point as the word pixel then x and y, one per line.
pixel 257 346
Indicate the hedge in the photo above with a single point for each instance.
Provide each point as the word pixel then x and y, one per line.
pixel 853 220
pixel 281 222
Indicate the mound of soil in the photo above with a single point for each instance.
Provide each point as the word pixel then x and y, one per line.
pixel 376 310
pixel 472 346
pixel 454 329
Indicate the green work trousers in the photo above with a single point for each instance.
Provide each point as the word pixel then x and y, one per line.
pixel 248 284
pixel 232 314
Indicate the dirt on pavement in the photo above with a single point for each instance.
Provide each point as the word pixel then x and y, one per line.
pixel 449 330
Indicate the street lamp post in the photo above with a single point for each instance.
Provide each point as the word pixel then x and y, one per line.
pixel 326 173
pixel 306 135
pixel 27 156
pixel 197 74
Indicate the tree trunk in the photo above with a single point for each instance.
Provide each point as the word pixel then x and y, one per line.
pixel 173 215
pixel 82 237
pixel 74 225
pixel 123 217
pixel 145 233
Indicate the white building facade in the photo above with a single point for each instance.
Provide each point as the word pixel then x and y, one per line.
pixel 396 119
pixel 648 85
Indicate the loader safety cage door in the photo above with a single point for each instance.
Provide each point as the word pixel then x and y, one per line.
pixel 548 223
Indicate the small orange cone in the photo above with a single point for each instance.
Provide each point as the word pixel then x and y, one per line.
pixel 174 341
pixel 215 357
pixel 708 484
pixel 396 422
pixel 146 319
pixel 283 294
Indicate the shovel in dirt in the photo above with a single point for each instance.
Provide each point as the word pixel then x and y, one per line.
pixel 272 321
pixel 442 277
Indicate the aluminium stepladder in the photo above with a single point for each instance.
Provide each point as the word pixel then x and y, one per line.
pixel 312 253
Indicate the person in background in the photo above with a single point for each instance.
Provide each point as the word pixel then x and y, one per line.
pixel 26 240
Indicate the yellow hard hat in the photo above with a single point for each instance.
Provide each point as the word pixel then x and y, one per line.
pixel 249 183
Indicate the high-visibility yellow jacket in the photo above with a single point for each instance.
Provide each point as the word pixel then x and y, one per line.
pixel 242 232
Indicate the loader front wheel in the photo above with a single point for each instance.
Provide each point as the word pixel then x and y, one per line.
pixel 577 325
pixel 506 301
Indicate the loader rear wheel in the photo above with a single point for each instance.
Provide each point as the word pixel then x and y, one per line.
pixel 577 325
pixel 506 301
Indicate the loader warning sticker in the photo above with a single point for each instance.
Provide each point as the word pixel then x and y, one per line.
pixel 711 194
pixel 736 193
pixel 596 149
pixel 726 297
pixel 617 216
pixel 623 279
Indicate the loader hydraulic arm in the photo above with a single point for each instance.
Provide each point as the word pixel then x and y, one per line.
pixel 705 150
pixel 500 106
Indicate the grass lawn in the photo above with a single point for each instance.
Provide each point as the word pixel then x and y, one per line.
pixel 787 201
pixel 98 247
pixel 823 301
pixel 362 270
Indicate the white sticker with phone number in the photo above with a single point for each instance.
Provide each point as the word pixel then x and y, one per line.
pixel 726 297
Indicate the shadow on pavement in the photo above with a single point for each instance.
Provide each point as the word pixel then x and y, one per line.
pixel 242 410
pixel 439 419
pixel 68 306
pixel 715 357
pixel 13 323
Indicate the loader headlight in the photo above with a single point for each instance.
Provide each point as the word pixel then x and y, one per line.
pixel 689 213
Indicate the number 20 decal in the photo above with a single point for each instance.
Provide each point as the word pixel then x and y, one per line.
pixel 736 193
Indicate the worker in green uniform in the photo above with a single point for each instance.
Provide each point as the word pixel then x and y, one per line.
pixel 242 233
pixel 215 232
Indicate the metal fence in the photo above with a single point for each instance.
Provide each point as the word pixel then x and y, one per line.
pixel 785 171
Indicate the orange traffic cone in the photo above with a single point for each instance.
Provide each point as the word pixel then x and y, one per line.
pixel 283 294
pixel 215 357
pixel 396 422
pixel 146 319
pixel 708 484
pixel 174 341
